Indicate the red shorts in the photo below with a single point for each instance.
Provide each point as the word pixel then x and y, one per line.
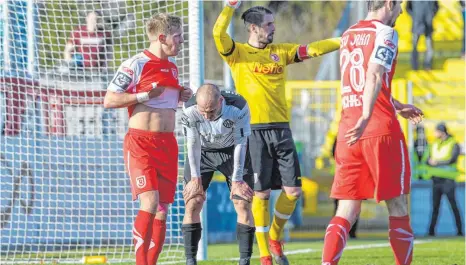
pixel 377 165
pixel 151 160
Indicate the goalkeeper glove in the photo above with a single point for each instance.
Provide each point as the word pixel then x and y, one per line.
pixel 233 3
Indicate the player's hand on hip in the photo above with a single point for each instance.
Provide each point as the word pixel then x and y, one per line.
pixel 156 90
pixel 353 135
pixel 241 189
pixel 233 3
pixel 192 189
pixel 411 113
pixel 186 94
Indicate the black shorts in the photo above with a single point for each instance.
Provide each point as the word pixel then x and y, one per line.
pixel 219 160
pixel 274 159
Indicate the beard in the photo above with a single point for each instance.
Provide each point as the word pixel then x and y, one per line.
pixel 267 39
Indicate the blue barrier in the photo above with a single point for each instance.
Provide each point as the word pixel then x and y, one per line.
pixel 421 209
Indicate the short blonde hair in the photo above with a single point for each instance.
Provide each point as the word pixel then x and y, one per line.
pixel 162 23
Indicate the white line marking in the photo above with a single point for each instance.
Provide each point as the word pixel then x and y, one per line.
pixel 311 250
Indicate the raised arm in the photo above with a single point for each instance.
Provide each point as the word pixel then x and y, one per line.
pixel 321 47
pixel 297 53
pixel 225 45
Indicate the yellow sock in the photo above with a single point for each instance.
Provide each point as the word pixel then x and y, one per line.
pixel 283 209
pixel 260 211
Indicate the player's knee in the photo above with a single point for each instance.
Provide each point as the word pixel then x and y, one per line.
pixel 398 206
pixel 162 211
pixel 349 210
pixel 243 210
pixel 263 195
pixel 149 201
pixel 293 191
pixel 194 205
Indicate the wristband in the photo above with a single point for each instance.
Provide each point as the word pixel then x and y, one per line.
pixel 142 97
pixel 233 3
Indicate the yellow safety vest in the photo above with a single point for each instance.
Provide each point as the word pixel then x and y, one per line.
pixel 443 151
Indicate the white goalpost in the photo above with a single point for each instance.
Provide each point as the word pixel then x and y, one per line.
pixel 64 191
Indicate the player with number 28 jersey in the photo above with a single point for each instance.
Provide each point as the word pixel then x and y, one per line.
pixel 370 41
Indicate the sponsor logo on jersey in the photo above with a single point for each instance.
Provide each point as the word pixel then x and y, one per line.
pixel 275 57
pixel 141 181
pixel 384 54
pixel 228 123
pixel 175 73
pixel 128 70
pixel 122 80
pixel 390 44
pixel 185 121
pixel 270 68
pixel 164 70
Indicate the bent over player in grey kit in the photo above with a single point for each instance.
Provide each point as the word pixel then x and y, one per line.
pixel 217 125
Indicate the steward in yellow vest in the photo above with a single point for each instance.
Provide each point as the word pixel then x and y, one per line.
pixel 442 159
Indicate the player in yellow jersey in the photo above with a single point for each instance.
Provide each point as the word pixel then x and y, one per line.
pixel 258 69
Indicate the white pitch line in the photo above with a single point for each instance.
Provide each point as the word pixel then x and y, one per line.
pixel 311 250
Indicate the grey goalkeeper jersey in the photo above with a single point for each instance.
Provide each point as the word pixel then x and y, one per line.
pixel 232 126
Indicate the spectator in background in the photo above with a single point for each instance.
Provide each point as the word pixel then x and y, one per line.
pixel 89 45
pixel 443 156
pixel 352 232
pixel 463 12
pixel 420 149
pixel 422 13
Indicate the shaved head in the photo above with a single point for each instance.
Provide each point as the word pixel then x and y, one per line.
pixel 209 101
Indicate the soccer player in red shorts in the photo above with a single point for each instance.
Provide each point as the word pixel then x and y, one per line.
pixel 371 154
pixel 148 85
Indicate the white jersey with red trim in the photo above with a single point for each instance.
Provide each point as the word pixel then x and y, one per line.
pixel 368 42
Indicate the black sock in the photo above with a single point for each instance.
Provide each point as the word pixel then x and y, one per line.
pixel 245 235
pixel 191 235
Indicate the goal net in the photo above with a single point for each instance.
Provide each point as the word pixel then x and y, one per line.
pixel 64 191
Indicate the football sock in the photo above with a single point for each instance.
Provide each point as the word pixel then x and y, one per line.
pixel 159 229
pixel 191 235
pixel 260 211
pixel 284 207
pixel 142 232
pixel 245 235
pixel 335 240
pixel 401 239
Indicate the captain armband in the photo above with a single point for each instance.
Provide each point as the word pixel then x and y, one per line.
pixel 302 52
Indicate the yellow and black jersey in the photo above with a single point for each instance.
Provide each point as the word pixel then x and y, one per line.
pixel 260 74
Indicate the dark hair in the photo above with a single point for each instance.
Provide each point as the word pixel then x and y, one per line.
pixel 255 15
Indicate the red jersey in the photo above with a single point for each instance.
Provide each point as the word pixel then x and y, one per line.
pixel 92 45
pixel 141 73
pixel 363 43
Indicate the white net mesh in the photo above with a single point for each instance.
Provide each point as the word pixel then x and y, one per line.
pixel 64 190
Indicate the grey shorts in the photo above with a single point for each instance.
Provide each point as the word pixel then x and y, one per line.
pixel 274 159
pixel 219 160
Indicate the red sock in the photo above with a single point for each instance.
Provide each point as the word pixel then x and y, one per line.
pixel 335 240
pixel 142 232
pixel 158 238
pixel 401 239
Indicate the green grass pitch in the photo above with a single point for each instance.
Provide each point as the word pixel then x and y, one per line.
pixel 427 251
